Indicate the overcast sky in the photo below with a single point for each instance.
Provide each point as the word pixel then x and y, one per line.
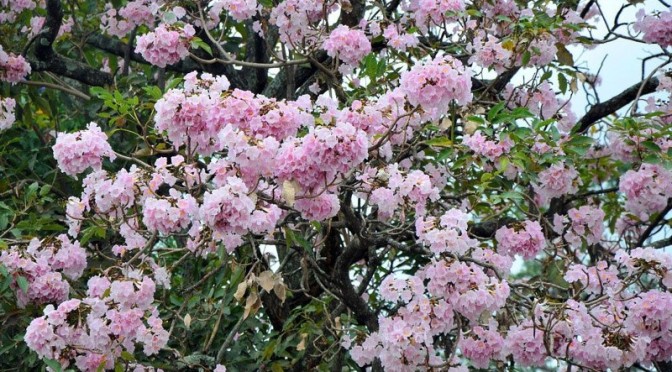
pixel 623 64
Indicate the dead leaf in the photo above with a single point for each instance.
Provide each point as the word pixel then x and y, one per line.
pixel 252 304
pixel 302 345
pixel 280 290
pixel 289 191
pixel 187 321
pixel 266 280
pixel 240 291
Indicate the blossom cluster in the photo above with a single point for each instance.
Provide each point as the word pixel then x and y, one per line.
pixel 557 180
pixel 9 9
pixel 647 190
pixel 43 267
pixel 322 156
pixel 436 83
pixel 349 45
pixel 482 146
pixel 114 317
pixel 7 116
pixel 398 190
pixel 232 213
pixel 13 68
pixel 656 28
pixel 239 10
pixel 525 239
pixel 296 20
pixel 431 13
pixel 447 234
pixel 586 223
pixel 120 22
pixel 76 152
pixel 166 45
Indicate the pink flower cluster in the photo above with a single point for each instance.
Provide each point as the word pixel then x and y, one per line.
pixel 557 180
pixel 321 157
pixel 448 234
pixel 656 28
pixel 488 52
pixel 526 344
pixel 318 208
pixel 166 45
pixel 183 114
pixel 435 84
pixel 650 260
pixel 428 299
pixel 232 213
pixel 296 20
pixel 7 116
pixel 472 291
pixel 239 10
pixel 492 150
pixel 13 68
pixel 414 188
pixel 14 8
pixel 427 13
pixel 525 239
pixel 199 115
pixel 597 279
pixel 405 341
pixel 76 152
pixel 168 215
pixel 647 190
pixel 43 265
pixel 115 317
pixel 351 46
pixel 483 345
pixel 135 13
pixel 585 224
pixel 399 40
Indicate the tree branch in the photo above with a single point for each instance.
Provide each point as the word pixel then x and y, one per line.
pixel 45 58
pixel 614 104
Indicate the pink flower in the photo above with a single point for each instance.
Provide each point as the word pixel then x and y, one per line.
pixel 165 45
pixel 13 68
pixel 647 189
pixel 7 117
pixel 75 152
pixel 526 239
pixel 351 46
pixel 656 28
pixel 558 180
pixel 239 10
pixel 435 84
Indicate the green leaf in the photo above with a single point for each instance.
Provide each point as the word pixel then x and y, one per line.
pixel 198 43
pixel 526 58
pixel 439 142
pixel 125 355
pixel 562 83
pixel 23 283
pixel 563 55
pixel 650 145
pixel 56 366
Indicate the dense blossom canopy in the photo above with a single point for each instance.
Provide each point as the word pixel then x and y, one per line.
pixel 333 184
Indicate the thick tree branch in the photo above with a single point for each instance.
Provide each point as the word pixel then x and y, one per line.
pixel 44 58
pixel 614 104
pixel 119 48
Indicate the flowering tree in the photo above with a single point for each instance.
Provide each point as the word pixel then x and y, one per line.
pixel 329 184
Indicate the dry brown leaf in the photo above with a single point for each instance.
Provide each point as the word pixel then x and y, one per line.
pixel 280 290
pixel 266 280
pixel 252 304
pixel 240 291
